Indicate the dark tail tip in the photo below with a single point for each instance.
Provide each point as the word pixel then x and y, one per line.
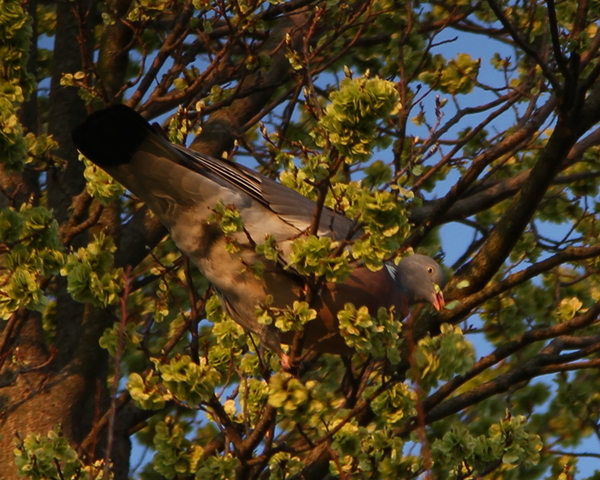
pixel 111 136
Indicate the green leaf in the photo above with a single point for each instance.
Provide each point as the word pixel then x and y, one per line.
pixel 147 392
pixel 187 381
pixel 100 184
pixel 350 120
pixel 318 256
pixel 90 273
pixel 455 76
pixel 443 356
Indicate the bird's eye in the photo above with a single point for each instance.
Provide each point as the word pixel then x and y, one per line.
pixel 430 270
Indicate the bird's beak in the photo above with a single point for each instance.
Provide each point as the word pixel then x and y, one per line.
pixel 438 301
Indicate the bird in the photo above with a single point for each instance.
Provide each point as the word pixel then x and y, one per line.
pixel 183 188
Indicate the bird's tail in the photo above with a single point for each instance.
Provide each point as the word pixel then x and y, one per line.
pixel 110 137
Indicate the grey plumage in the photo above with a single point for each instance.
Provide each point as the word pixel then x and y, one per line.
pixel 182 188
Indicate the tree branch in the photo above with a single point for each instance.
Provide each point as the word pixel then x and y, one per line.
pixel 477 166
pixel 513 346
pixel 508 230
pixel 467 304
pixel 488 194
pixel 528 370
pixel 525 46
pixel 177 34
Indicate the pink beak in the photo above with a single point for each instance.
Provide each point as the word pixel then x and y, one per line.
pixel 438 301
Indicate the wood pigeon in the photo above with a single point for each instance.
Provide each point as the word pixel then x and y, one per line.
pixel 183 187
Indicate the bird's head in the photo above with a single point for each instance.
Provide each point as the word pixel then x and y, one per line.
pixel 421 279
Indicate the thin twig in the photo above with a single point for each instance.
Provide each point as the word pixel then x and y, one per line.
pixel 116 376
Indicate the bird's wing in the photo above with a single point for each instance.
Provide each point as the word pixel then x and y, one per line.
pixel 291 206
